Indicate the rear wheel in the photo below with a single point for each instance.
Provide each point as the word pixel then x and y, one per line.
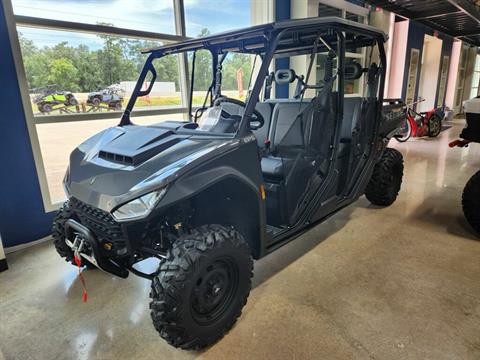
pixel 434 125
pixel 386 179
pixel 58 234
pixel 45 108
pixel 201 287
pixel 96 101
pixel 471 202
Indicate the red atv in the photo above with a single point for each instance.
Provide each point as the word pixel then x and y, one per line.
pixel 420 124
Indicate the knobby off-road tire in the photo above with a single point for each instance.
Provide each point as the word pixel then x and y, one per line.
pixel 201 287
pixel 471 202
pixel 58 234
pixel 386 179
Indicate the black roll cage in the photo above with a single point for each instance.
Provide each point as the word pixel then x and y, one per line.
pixel 283 39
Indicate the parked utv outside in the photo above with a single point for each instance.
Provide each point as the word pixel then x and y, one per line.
pixel 49 97
pixel 111 96
pixel 238 180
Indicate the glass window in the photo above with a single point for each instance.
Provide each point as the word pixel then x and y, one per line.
pixel 203 75
pixel 71 72
pixel 354 17
pixel 145 15
pixel 165 92
pixel 237 76
pixel 327 10
pixel 58 140
pixel 222 16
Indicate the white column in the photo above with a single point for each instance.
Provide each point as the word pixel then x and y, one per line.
pixel 3 260
pixel 262 11
pixel 179 13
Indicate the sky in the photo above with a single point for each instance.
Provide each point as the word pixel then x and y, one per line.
pixel 153 15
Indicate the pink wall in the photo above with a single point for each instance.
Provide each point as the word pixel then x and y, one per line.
pixel 397 63
pixel 452 73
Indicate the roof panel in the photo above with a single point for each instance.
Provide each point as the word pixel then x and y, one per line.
pixel 453 17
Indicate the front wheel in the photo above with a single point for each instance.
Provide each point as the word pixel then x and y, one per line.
pixel 386 179
pixel 405 132
pixel 201 287
pixel 471 202
pixel 434 125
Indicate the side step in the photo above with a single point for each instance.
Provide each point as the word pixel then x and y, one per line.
pixel 272 232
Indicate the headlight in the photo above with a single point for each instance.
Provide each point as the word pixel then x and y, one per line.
pixel 139 208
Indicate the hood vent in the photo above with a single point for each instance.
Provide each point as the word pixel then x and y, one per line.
pixel 127 160
pixel 138 144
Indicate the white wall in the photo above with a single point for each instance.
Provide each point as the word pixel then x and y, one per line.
pixel 262 11
pixel 431 58
pixel 397 61
pixel 160 88
pixel 452 74
pixel 2 252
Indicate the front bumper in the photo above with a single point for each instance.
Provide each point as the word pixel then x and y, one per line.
pixel 75 232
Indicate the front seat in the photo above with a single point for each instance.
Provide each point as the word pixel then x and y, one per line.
pixel 285 130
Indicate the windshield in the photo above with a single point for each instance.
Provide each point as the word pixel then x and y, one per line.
pixel 219 87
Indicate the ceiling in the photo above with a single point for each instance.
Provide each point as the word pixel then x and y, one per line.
pixel 458 18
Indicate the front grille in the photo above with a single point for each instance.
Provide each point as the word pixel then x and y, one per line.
pixel 101 223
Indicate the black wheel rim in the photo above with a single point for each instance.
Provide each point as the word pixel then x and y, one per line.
pixel 214 290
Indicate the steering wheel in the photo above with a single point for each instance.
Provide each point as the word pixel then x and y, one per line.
pixel 257 120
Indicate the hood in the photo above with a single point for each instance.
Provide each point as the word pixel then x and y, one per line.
pixel 123 163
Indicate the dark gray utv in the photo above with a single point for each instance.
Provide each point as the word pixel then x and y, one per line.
pixel 239 179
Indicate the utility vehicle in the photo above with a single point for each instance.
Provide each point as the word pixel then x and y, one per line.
pixel 48 97
pixel 471 134
pixel 112 96
pixel 237 179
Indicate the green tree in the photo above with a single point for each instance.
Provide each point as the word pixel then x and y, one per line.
pixel 63 73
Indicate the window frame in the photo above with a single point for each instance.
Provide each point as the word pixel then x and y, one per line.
pixel 32 121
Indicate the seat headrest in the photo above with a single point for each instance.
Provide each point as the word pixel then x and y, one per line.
pixel 353 70
pixel 285 76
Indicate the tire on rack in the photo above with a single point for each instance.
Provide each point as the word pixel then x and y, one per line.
pixel 386 179
pixel 71 101
pixel 46 108
pixel 201 287
pixel 58 234
pixel 434 126
pixel 471 202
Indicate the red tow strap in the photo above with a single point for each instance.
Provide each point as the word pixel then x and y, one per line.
pixel 78 262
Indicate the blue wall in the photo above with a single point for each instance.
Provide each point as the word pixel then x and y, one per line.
pixel 416 35
pixel 282 12
pixel 22 216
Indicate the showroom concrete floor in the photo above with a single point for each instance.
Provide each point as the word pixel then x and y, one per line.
pixel 394 283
